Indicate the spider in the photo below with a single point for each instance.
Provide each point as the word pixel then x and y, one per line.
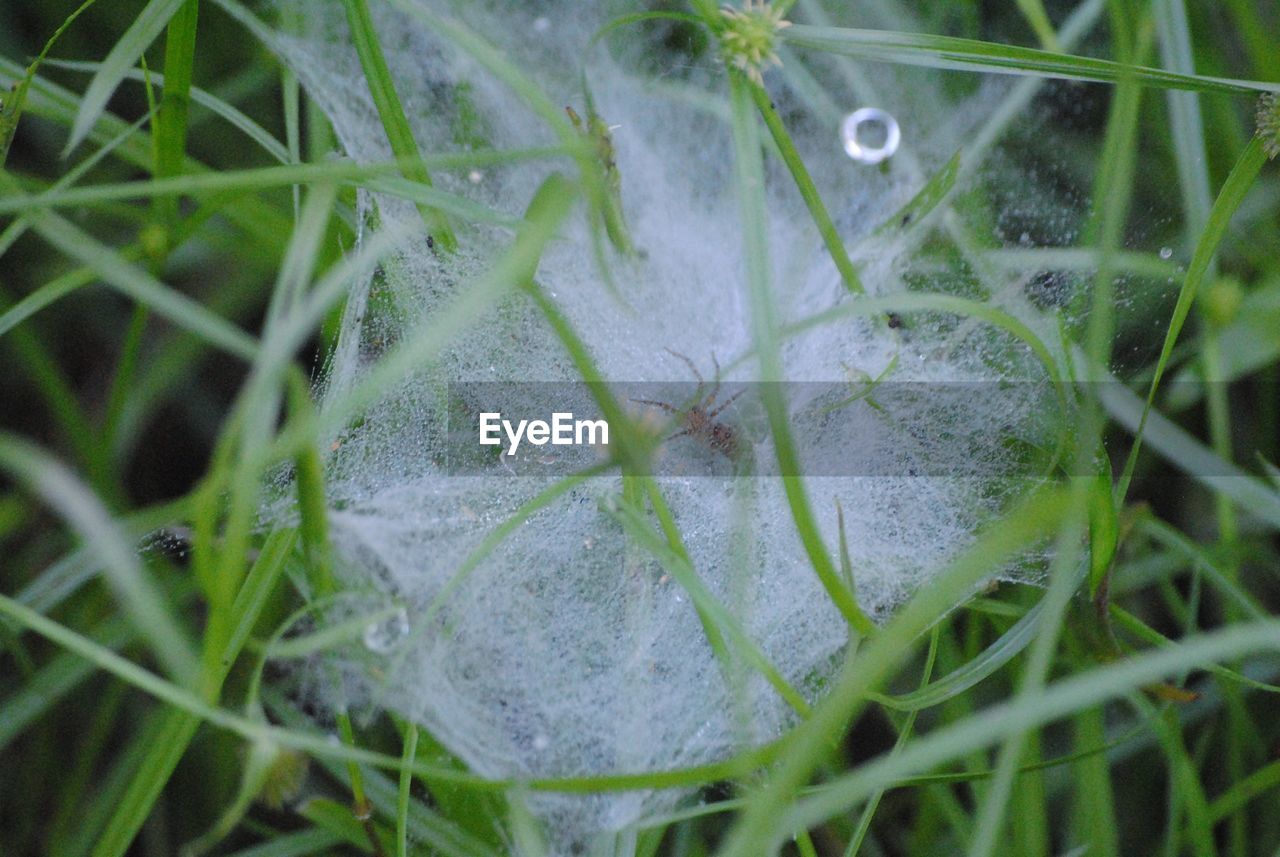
pixel 699 419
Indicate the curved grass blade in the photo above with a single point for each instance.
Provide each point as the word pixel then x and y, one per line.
pixel 973 671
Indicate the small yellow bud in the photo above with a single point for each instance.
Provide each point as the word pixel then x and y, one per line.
pixel 1221 301
pixel 154 239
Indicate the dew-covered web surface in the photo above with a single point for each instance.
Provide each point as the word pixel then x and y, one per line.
pixel 568 650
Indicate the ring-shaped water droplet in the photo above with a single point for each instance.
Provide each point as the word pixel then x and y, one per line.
pixel 853 133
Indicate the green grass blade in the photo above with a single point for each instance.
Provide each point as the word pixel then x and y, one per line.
pixel 750 181
pixel 948 52
pixel 141 33
pixel 170 130
pixel 54 681
pixel 137 284
pixel 1229 199
pixel 973 671
pixel 808 190
pixel 400 134
pixel 904 735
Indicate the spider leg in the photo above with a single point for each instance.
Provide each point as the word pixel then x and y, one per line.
pixel 669 408
pixel 726 403
pixel 715 387
pixel 689 363
pixel 680 433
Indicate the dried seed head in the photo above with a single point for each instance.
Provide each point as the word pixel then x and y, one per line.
pixel 1269 123
pixel 747 40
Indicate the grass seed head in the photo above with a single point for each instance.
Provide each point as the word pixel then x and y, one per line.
pixel 748 34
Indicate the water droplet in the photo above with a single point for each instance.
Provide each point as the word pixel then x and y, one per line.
pixel 870 135
pixel 475 176
pixel 541 24
pixel 381 637
pixel 1166 252
pixel 541 742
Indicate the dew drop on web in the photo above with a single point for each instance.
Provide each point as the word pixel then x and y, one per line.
pixel 381 637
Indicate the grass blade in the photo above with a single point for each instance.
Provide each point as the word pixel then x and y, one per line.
pixel 948 52
pixel 141 33
pixel 750 179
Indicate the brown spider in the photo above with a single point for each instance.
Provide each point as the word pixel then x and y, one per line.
pixel 699 419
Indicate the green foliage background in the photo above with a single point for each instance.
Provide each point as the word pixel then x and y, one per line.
pixel 1137 715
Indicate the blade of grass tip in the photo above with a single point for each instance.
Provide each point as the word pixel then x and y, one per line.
pixel 750 181
pixel 175 103
pixel 11 106
pixel 141 33
pixel 808 190
pixel 1232 194
pixel 948 52
pixel 764 821
pixel 125 575
pixel 399 132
